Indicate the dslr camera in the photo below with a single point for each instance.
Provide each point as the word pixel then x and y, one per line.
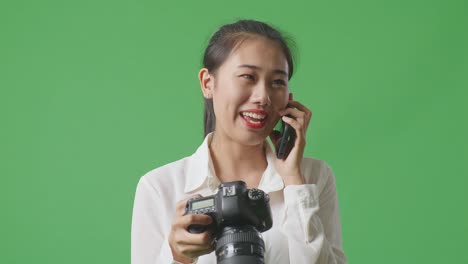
pixel 239 216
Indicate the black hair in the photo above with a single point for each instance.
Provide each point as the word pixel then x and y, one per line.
pixel 222 43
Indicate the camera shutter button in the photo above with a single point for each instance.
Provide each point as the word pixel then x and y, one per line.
pixel 255 194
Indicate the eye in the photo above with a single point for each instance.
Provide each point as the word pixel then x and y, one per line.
pixel 279 82
pixel 248 76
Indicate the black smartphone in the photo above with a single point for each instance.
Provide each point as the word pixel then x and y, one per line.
pixel 288 136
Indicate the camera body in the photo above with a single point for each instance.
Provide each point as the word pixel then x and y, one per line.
pixel 232 205
pixel 239 215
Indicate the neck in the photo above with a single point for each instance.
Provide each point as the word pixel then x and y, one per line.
pixel 234 161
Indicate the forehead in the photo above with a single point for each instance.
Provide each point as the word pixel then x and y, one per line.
pixel 260 52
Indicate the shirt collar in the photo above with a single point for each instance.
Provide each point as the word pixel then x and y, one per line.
pixel 200 175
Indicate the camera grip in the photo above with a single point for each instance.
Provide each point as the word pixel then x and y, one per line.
pixel 197 229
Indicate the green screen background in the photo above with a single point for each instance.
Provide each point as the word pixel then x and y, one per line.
pixel 96 93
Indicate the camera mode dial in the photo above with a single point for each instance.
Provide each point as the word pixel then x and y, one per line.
pixel 255 194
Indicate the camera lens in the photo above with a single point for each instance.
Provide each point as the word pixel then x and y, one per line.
pixel 239 244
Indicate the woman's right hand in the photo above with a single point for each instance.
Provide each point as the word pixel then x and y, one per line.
pixel 186 246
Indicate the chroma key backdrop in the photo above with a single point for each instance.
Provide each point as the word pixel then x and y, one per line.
pixel 94 94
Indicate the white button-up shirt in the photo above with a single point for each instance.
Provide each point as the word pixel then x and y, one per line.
pixel 306 223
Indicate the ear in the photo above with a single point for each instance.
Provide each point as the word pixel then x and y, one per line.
pixel 206 83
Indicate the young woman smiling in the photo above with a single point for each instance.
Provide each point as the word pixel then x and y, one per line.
pixel 244 80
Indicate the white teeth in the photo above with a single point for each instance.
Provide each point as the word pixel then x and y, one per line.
pixel 253 115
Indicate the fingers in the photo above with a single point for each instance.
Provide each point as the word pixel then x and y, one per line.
pixel 188 244
pixel 298 117
pixel 193 245
pixel 184 243
pixel 193 251
pixel 301 107
pixel 202 240
pixel 193 219
pixel 298 126
pixel 293 112
pixel 299 112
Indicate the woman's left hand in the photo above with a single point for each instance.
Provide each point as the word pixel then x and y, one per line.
pixel 290 168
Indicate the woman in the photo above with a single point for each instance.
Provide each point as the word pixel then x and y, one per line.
pixel 247 66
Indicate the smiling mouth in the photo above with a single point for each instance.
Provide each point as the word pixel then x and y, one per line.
pixel 254 120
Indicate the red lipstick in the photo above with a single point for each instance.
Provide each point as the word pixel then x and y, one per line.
pixel 254 122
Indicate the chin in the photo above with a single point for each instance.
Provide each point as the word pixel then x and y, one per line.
pixel 252 139
pixel 248 137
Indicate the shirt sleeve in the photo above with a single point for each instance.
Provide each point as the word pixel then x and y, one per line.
pixel 148 242
pixel 312 223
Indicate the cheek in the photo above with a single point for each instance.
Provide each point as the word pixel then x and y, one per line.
pixel 236 96
pixel 227 103
pixel 280 101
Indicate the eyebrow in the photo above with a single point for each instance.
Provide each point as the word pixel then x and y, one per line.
pixel 258 68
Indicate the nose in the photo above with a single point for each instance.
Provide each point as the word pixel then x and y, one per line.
pixel 261 94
